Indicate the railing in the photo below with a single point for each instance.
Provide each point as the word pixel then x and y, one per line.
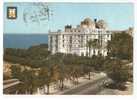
pixel 9 86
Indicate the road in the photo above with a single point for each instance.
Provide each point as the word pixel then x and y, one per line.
pixel 90 88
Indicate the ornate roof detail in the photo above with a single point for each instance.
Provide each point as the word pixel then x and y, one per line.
pixel 101 24
pixel 88 22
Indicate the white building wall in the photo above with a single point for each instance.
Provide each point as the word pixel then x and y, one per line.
pixel 78 45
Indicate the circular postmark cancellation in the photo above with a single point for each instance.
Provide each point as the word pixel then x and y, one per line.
pixel 37 12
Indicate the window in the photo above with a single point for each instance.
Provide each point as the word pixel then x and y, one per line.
pixel 79 36
pixel 78 45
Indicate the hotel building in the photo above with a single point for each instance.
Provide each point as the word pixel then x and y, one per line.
pixel 76 40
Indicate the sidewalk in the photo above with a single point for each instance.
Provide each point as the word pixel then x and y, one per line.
pixel 68 85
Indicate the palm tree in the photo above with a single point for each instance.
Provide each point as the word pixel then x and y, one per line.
pixel 93 44
pixel 46 73
pixel 30 81
pixel 62 70
pixel 89 46
pixel 15 71
pixel 45 78
pixel 58 69
pixel 87 67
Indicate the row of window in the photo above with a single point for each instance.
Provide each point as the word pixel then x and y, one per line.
pixel 73 30
pixel 93 53
pixel 74 36
pixel 87 30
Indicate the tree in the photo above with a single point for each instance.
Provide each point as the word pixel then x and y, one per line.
pixel 58 68
pixel 62 71
pixel 89 46
pixel 118 72
pixel 93 44
pixel 87 67
pixel 28 56
pixel 97 62
pixel 121 46
pixel 45 78
pixel 27 78
pixel 16 71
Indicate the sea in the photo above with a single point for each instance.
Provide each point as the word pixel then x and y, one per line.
pixel 23 41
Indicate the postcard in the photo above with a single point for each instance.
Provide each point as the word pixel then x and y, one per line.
pixel 65 48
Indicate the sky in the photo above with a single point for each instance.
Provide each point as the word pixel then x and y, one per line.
pixel 119 16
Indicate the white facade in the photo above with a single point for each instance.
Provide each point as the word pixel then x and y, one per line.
pixel 74 40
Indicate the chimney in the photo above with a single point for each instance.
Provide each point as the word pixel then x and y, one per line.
pixel 95 20
pixel 68 27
